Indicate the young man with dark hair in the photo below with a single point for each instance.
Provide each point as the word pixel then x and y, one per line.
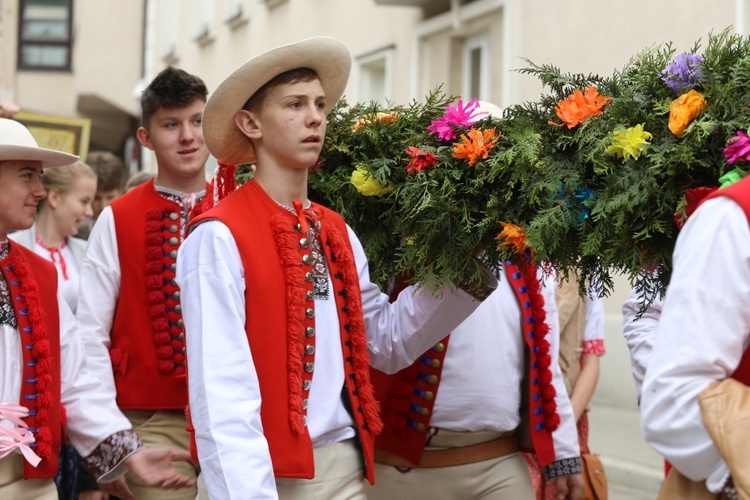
pixel 129 307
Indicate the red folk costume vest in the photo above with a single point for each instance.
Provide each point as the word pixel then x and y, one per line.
pixel 280 312
pixel 147 337
pixel 32 282
pixel 409 396
pixel 740 193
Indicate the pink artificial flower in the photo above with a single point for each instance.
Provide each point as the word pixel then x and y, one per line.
pixel 420 159
pixel 738 148
pixel 455 116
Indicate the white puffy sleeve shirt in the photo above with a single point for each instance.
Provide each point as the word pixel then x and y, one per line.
pixel 639 334
pixel 223 384
pixel 702 334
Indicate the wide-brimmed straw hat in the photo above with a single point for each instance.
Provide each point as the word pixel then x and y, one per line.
pixel 327 56
pixel 17 143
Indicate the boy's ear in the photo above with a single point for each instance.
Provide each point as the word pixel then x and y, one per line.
pixel 248 124
pixel 144 137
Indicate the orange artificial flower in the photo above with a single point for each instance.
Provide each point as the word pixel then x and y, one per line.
pixel 512 235
pixel 378 117
pixel 579 106
pixel 683 110
pixel 477 145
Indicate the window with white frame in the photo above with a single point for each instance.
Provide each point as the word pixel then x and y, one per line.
pixel 45 38
pixel 476 67
pixel 170 31
pixel 375 76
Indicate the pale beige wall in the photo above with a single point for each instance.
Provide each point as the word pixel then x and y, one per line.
pixel 599 36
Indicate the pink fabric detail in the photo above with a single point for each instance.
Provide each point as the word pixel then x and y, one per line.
pixel 19 437
pixel 594 346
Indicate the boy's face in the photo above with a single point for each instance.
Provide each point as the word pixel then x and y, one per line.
pixel 292 123
pixel 176 137
pixel 103 199
pixel 21 190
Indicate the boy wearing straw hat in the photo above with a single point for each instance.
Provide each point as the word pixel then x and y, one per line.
pixel 129 307
pixel 44 382
pixel 281 318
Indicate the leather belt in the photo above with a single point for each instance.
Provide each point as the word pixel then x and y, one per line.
pixel 449 457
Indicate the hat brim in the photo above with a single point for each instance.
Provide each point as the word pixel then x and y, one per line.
pixel 327 56
pixel 48 157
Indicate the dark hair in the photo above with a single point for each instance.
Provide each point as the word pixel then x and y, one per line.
pixel 291 76
pixel 110 170
pixel 172 88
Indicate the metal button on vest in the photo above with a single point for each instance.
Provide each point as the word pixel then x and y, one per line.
pixel 173 253
pixel 173 267
pixel 176 295
pixel 181 336
pixel 435 363
pixel 310 331
pixel 304 420
pixel 429 395
pixel 182 350
pixel 298 227
pixel 304 243
pixel 424 411
pixel 310 295
pixel 304 404
pixel 420 427
pixel 310 312
pixel 174 215
pixel 173 241
pixel 173 281
pixel 439 347
pixel 173 228
pixel 179 323
pixel 306 259
pixel 309 349
pixel 309 367
pixel 432 379
pixel 308 276
pixel 178 308
pixel 306 384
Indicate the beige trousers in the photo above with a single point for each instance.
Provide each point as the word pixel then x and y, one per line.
pixel 338 476
pixel 14 487
pixel 502 478
pixel 162 428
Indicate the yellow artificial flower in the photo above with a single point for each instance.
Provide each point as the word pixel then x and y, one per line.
pixel 629 142
pixel 683 110
pixel 379 117
pixel 367 185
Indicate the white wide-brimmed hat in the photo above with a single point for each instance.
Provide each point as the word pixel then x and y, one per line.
pixel 17 143
pixel 327 56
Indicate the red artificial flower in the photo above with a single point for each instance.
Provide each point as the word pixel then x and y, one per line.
pixel 420 159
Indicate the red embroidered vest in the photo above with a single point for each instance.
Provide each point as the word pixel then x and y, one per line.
pixel 280 328
pixel 32 282
pixel 148 343
pixel 409 396
pixel 740 193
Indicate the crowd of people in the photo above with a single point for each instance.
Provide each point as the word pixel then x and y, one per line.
pixel 305 380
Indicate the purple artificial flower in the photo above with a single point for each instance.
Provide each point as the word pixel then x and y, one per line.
pixel 683 72
pixel 738 148
pixel 455 116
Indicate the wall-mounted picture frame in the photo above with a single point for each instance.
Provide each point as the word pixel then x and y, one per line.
pixel 71 135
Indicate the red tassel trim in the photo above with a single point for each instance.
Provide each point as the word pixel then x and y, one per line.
pixel 41 350
pixel 547 390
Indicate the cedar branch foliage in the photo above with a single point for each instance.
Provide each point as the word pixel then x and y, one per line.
pixel 580 207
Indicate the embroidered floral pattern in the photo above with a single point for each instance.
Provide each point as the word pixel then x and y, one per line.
pixel 594 346
pixel 7 313
pixel 564 467
pixel 112 451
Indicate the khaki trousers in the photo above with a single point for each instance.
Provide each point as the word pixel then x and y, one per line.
pixel 162 428
pixel 502 478
pixel 338 476
pixel 14 487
